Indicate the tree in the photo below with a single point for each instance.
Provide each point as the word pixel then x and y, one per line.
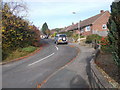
pixel 45 29
pixel 17 8
pixel 114 32
pixel 16 32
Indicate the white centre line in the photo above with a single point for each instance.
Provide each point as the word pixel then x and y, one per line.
pixel 41 59
pixel 56 47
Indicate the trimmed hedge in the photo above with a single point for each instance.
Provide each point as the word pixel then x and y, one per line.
pixel 93 38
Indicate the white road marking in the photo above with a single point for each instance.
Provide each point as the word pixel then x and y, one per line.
pixel 56 47
pixel 41 59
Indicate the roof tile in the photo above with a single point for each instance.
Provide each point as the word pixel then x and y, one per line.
pixel 85 22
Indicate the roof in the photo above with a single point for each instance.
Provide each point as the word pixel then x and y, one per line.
pixel 86 22
pixel 91 20
pixel 72 27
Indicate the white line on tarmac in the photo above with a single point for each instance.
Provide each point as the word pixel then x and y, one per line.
pixel 56 47
pixel 41 59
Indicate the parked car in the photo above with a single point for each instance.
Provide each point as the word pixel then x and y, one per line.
pixel 45 37
pixel 61 38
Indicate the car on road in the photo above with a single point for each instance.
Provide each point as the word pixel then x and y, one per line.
pixel 61 39
pixel 44 36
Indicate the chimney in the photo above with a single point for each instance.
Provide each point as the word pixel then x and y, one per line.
pixel 101 11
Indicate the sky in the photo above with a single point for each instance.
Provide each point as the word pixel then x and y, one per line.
pixel 59 13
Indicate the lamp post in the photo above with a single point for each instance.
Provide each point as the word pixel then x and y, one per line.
pixel 78 27
pixel 79 30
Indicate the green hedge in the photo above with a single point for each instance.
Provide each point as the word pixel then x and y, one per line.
pixel 93 37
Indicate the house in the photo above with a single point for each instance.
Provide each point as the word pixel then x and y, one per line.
pixel 53 31
pixel 92 25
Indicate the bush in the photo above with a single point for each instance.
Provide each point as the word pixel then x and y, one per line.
pixel 54 34
pixel 5 54
pixel 75 36
pixel 82 36
pixel 16 32
pixel 93 37
pixel 105 45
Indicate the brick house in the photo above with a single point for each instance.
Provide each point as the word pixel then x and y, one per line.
pixel 92 25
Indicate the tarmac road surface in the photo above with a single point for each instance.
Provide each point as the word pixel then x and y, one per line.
pixel 29 72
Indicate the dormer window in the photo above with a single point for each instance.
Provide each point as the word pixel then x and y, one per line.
pixel 104 26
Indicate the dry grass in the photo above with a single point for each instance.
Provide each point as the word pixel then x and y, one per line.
pixel 20 53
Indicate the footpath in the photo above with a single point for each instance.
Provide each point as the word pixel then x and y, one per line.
pixel 82 72
pixel 73 75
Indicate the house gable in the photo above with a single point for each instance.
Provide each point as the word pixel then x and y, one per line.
pixel 95 23
pixel 99 26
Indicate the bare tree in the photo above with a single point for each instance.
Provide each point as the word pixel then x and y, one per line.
pixel 18 8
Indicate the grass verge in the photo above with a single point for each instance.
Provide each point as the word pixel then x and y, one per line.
pixel 20 53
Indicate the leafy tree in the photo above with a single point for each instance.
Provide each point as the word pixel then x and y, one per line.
pixel 45 29
pixel 114 32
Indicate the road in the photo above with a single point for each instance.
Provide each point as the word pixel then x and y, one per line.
pixel 27 73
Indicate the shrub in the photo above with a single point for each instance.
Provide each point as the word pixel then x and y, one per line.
pixel 16 32
pixel 75 36
pixel 93 37
pixel 105 45
pixel 82 36
pixel 54 34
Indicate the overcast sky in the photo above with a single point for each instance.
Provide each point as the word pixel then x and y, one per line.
pixel 58 13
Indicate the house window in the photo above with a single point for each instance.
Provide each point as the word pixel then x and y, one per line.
pixel 104 26
pixel 87 28
pixel 82 30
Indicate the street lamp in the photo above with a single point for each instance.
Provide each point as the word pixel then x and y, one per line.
pixel 79 30
pixel 78 27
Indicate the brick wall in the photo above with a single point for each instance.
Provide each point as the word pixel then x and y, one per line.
pixel 97 27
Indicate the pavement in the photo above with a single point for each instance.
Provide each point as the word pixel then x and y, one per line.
pixel 74 74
